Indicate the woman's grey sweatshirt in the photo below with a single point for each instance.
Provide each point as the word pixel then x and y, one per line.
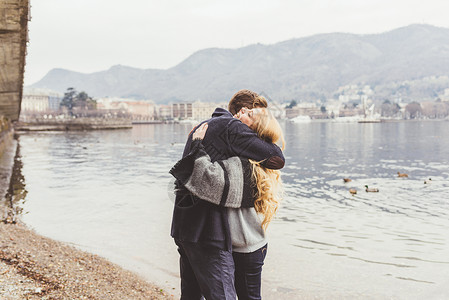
pixel 226 183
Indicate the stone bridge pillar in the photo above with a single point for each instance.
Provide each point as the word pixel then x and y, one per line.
pixel 14 16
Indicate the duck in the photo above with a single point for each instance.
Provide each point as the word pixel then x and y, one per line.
pixel 347 179
pixel 353 191
pixel 402 174
pixel 372 190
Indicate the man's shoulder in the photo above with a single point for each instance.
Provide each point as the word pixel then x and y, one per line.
pixel 220 117
pixel 221 112
pixel 227 124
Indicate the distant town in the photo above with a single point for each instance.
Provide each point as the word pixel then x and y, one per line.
pixel 353 102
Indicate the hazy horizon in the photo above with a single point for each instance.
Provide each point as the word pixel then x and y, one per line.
pixel 86 36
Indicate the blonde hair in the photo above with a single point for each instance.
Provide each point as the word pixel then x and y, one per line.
pixel 267 181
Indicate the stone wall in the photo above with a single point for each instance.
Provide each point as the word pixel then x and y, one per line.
pixel 7 152
pixel 83 123
pixel 14 16
pixel 6 133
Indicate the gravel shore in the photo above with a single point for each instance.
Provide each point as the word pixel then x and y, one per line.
pixel 36 267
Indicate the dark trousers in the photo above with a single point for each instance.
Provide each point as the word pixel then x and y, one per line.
pixel 205 271
pixel 248 273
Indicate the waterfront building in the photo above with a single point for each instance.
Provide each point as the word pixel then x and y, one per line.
pixel 141 110
pixel 445 96
pixel 351 112
pixel 354 93
pixel 40 101
pixel 332 107
pixel 304 109
pixel 34 103
pixel 204 110
pixel 276 109
pixel 112 103
pixel 164 112
pixel 182 110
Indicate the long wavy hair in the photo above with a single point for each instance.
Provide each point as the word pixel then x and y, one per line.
pixel 267 181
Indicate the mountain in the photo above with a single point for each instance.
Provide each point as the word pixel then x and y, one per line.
pixel 305 68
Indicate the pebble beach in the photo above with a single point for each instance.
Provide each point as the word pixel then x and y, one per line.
pixel 36 267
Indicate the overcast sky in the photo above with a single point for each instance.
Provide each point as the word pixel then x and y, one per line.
pixel 93 35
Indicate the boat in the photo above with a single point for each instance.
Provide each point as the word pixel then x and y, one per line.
pixel 369 120
pixel 349 119
pixel 369 116
pixel 301 119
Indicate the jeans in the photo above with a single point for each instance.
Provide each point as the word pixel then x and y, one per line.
pixel 248 273
pixel 205 271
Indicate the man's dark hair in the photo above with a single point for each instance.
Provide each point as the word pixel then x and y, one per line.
pixel 246 98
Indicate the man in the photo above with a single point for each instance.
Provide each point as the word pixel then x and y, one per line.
pixel 200 229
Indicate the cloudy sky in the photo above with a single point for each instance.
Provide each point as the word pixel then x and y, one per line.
pixel 93 35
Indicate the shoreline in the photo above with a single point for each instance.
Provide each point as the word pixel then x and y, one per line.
pixel 33 266
pixel 89 124
pixel 71 126
pixel 36 267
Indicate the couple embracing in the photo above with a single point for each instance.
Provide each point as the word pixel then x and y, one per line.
pixel 227 191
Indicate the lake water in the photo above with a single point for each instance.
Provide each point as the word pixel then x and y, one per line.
pixel 107 192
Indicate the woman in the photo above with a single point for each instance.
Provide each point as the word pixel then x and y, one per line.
pixel 251 192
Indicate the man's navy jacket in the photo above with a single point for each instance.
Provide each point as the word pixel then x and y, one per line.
pixel 198 221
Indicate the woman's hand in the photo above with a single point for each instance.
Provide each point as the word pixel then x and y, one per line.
pixel 200 132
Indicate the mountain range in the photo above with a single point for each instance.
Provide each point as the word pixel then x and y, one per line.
pixel 304 69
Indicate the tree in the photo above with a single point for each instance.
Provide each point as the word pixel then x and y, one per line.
pixel 79 101
pixel 292 104
pixel 68 100
pixel 84 101
pixel 413 110
pixel 91 104
pixel 388 109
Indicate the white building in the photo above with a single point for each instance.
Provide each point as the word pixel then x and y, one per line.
pixel 164 112
pixel 40 101
pixel 353 93
pixel 142 110
pixel 112 103
pixel 195 110
pixel 304 109
pixel 333 107
pixel 445 96
pixel 204 110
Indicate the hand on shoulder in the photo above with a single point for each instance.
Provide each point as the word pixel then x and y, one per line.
pixel 200 132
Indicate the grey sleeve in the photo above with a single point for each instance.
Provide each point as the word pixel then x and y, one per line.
pixel 220 183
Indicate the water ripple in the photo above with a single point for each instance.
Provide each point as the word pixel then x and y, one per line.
pixel 94 181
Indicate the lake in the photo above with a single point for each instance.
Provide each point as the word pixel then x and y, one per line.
pixel 109 193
